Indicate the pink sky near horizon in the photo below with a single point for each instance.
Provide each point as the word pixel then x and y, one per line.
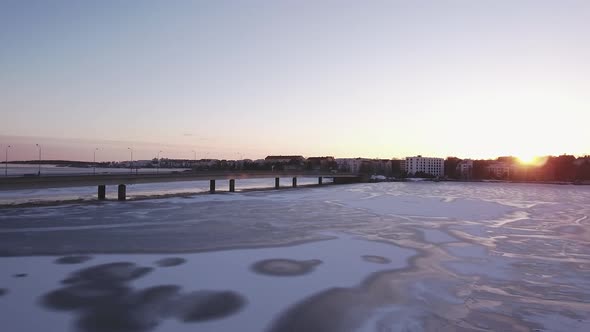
pixel 24 148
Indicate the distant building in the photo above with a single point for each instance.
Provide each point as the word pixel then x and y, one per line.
pixel 426 165
pixel 320 159
pixel 382 167
pixel 321 163
pixel 142 163
pixel 501 170
pixel 398 167
pixel 285 163
pixel 365 166
pixel 582 160
pixel 403 166
pixel 349 165
pixel 284 159
pixel 465 169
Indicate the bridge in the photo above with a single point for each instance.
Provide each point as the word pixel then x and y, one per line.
pixel 122 180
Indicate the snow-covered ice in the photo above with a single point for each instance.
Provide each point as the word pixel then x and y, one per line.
pixel 418 256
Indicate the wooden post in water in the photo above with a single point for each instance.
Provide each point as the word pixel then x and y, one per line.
pixel 122 192
pixel 212 186
pixel 232 185
pixel 102 192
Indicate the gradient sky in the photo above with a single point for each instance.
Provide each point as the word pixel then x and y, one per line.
pixel 344 78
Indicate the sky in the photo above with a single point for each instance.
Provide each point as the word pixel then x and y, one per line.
pixel 230 79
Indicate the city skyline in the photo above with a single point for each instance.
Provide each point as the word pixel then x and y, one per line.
pixel 119 151
pixel 372 79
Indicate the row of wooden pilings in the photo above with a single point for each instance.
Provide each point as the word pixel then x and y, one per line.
pixel 122 188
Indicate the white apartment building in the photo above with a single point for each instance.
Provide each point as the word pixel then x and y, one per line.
pixel 432 166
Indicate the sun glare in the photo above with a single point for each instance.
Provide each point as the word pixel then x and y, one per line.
pixel 527 159
pixel 531 160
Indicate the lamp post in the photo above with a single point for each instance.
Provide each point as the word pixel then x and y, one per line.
pixel 6 162
pixel 131 162
pixel 194 159
pixel 94 162
pixel 158 168
pixel 39 171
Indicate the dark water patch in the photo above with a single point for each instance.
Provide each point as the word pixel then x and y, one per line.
pixel 103 300
pixel 376 259
pixel 334 310
pixel 284 267
pixel 207 305
pixel 20 275
pixel 3 291
pixel 111 273
pixel 345 309
pixel 83 296
pixel 170 261
pixel 132 311
pixel 72 259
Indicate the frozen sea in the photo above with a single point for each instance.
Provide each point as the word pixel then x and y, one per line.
pixel 418 256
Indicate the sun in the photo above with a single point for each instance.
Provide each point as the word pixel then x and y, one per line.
pixel 531 160
pixel 527 159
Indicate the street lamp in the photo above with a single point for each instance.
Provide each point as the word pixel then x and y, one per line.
pixel 195 159
pixel 158 168
pixel 94 162
pixel 6 162
pixel 39 171
pixel 131 162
